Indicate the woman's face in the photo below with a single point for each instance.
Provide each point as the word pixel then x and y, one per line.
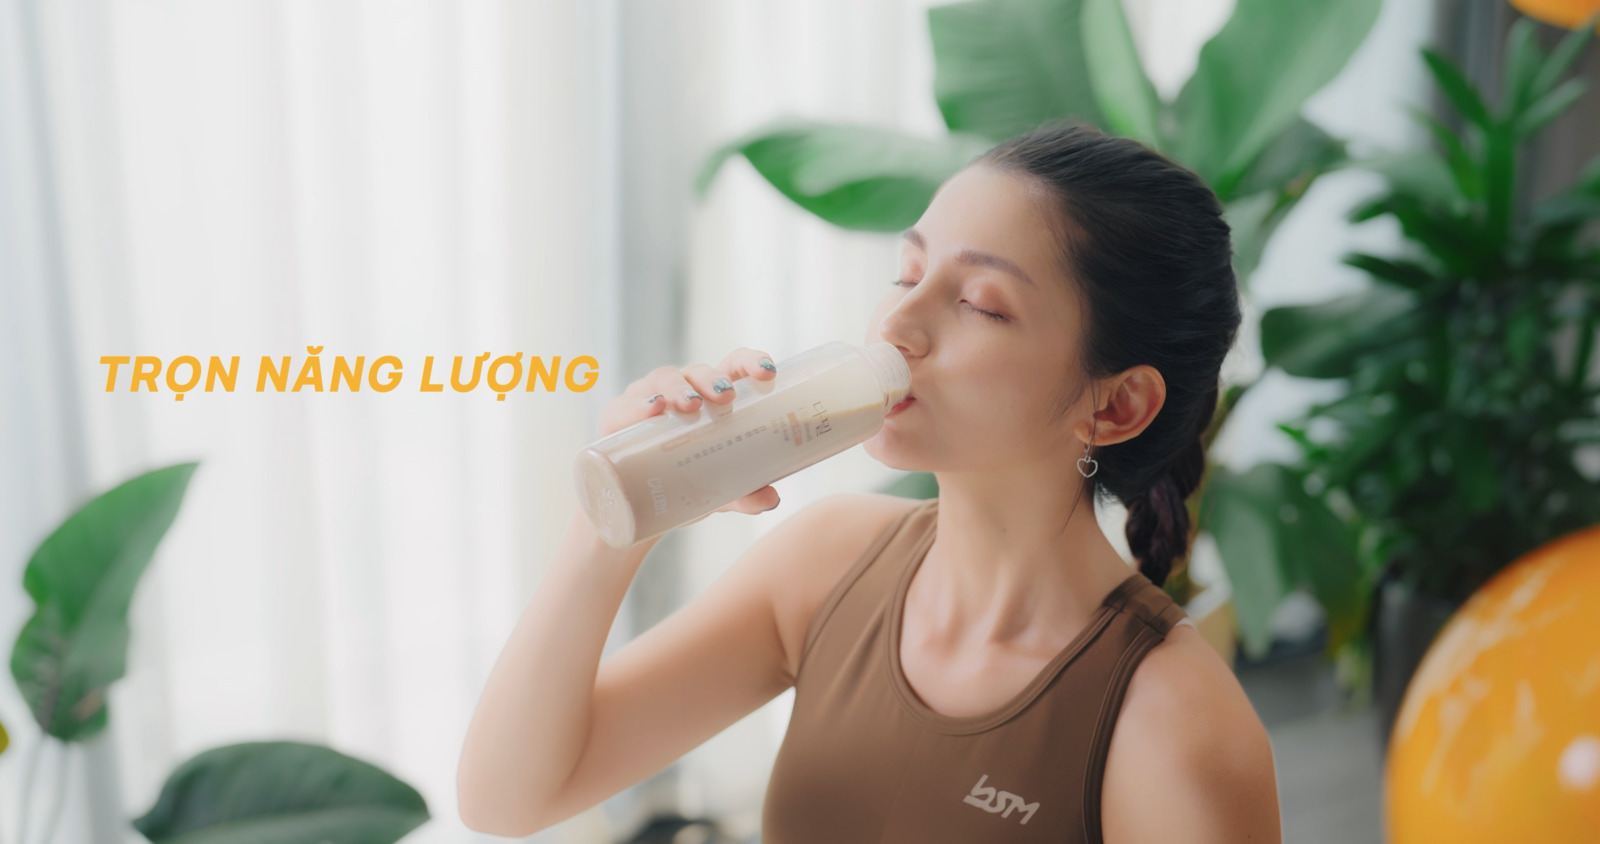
pixel 985 387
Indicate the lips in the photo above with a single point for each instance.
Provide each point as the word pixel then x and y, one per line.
pixel 904 403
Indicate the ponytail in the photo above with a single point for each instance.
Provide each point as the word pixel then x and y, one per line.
pixel 1158 528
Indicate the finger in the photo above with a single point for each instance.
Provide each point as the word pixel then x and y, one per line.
pixel 655 404
pixel 676 391
pixel 760 501
pixel 650 382
pixel 749 363
pixel 714 385
pixel 652 388
pixel 630 407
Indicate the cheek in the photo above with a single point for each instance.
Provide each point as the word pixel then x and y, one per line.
pixel 1001 399
pixel 1017 393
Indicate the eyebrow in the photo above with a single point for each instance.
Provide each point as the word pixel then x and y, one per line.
pixel 972 257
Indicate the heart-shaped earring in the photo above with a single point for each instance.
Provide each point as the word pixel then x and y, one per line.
pixel 1093 462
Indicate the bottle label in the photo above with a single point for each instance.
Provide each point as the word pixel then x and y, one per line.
pixel 814 425
pixel 658 495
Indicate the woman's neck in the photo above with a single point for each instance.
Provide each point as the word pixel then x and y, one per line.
pixel 1015 560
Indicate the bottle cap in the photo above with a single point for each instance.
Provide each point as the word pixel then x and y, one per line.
pixel 892 372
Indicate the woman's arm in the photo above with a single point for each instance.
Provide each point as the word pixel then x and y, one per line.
pixel 554 735
pixel 548 692
pixel 533 716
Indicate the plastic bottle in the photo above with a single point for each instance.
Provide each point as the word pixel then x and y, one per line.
pixel 671 469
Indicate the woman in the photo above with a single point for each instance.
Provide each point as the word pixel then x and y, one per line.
pixel 983 666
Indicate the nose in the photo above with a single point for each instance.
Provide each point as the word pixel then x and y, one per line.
pixel 902 326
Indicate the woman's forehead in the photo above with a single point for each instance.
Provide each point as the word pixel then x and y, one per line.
pixel 986 210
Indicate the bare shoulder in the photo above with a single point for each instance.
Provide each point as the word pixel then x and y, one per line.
pixel 813 549
pixel 1189 737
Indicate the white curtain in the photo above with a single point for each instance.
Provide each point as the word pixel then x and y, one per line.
pixel 407 177
pixel 252 178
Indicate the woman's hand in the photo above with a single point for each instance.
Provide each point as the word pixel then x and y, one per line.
pixel 684 389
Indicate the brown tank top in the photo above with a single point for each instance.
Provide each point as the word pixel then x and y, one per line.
pixel 865 760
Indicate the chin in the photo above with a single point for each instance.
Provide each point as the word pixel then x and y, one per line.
pixel 889 455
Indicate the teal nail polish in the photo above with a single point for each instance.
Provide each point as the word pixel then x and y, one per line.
pixel 690 393
pixel 722 385
pixel 768 365
pixel 652 399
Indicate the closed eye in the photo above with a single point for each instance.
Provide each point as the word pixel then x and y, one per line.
pixel 990 314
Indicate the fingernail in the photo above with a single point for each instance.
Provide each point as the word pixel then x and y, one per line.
pixel 722 385
pixel 768 365
pixel 690 393
pixel 652 399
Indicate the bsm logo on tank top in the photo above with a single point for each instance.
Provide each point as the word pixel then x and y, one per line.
pixel 992 801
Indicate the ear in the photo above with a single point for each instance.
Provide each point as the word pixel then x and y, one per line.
pixel 1136 396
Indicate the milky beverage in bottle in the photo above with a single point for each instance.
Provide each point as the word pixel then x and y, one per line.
pixel 670 469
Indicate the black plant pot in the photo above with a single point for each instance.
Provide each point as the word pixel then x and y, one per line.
pixel 1405 622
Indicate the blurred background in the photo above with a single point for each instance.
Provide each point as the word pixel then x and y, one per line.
pixel 1410 410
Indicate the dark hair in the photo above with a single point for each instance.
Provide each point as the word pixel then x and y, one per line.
pixel 1144 239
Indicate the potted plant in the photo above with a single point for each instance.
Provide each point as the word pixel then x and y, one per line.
pixel 1454 450
pixel 1002 67
pixel 82 579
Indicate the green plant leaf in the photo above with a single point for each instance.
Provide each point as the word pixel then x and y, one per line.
pixel 1458 244
pixel 1251 222
pixel 856 177
pixel 82 579
pixel 1571 207
pixel 1562 57
pixel 1125 95
pixel 1460 92
pixel 1579 430
pixel 1324 340
pixel 1367 433
pixel 1255 74
pixel 281 792
pixel 1475 477
pixel 1240 512
pixel 1322 550
pixel 1274 537
pixel 1549 107
pixel 1589 178
pixel 1273 185
pixel 1499 183
pixel 5 739
pixel 1525 331
pixel 1463 169
pixel 1522 65
pixel 1419 174
pixel 1003 67
pixel 1408 275
pixel 1562 215
pixel 1291 162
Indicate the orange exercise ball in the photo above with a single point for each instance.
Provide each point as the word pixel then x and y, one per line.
pixel 1498 736
pixel 1563 13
